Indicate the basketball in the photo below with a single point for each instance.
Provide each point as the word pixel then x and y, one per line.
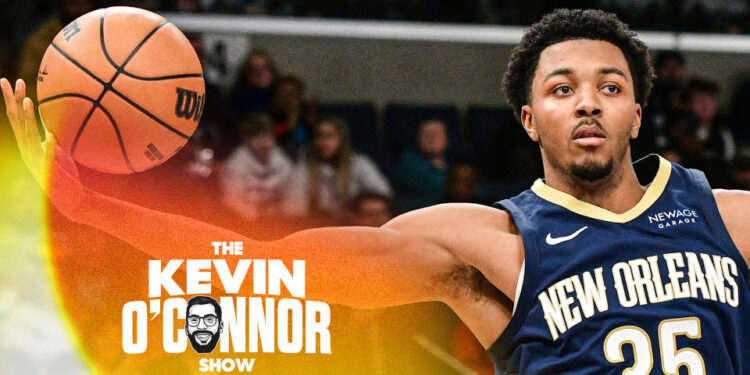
pixel 121 89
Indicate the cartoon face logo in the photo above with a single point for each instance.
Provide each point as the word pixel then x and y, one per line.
pixel 203 323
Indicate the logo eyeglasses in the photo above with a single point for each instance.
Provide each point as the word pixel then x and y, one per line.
pixel 208 320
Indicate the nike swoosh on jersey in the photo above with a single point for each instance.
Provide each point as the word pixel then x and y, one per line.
pixel 557 240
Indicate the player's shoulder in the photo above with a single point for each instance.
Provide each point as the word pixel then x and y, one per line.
pixel 457 216
pixel 734 208
pixel 730 197
pixel 732 204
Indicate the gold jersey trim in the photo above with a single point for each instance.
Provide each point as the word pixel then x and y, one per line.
pixel 653 192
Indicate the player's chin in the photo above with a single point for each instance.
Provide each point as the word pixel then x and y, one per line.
pixel 592 168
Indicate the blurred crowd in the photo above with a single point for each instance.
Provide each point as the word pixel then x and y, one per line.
pixel 675 15
pixel 266 152
pixel 684 122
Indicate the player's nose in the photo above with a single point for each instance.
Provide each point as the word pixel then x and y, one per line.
pixel 588 104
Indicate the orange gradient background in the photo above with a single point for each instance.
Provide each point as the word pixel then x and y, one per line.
pixel 91 275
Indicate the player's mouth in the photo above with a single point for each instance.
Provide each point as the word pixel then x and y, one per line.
pixel 203 337
pixel 589 136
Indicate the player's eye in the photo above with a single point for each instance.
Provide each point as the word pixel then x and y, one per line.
pixel 209 320
pixel 611 89
pixel 193 320
pixel 562 90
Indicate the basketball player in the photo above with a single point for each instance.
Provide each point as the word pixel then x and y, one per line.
pixel 604 267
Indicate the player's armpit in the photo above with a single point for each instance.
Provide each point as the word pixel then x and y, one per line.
pixel 480 284
pixel 419 256
pixel 734 207
pixel 481 237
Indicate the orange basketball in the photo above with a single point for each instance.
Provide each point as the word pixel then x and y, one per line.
pixel 121 88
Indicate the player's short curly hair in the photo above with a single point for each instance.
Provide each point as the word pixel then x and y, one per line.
pixel 566 24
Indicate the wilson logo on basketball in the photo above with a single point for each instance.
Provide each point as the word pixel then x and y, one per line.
pixel 71 30
pixel 189 104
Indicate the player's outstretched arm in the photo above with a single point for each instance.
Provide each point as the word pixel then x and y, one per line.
pixel 400 263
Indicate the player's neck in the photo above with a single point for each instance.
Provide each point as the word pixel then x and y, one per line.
pixel 618 192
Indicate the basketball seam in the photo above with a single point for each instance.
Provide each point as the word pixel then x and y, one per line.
pixel 104 109
pixel 121 68
pixel 85 122
pixel 65 95
pixel 76 63
pixel 108 86
pixel 113 90
pixel 162 78
pixel 119 138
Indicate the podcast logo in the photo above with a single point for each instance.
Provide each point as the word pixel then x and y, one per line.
pixel 203 323
pixel 261 309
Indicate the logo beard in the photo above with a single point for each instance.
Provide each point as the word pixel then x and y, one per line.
pixel 199 346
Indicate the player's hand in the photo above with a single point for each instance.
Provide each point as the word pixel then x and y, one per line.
pixel 53 168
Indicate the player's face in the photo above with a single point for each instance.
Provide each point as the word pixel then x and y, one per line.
pixel 203 327
pixel 582 108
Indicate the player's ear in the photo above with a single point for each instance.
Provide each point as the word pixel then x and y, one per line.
pixel 221 327
pixel 635 127
pixel 527 121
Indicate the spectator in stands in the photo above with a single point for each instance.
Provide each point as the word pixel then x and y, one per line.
pixel 669 67
pixel 740 112
pixel 331 174
pixel 462 185
pixel 290 114
pixel 219 131
pixel 701 135
pixel 371 209
pixel 253 89
pixel 36 44
pixel 255 174
pixel 419 177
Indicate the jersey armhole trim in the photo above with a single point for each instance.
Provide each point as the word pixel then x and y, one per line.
pixel 713 217
pixel 525 298
pixel 519 286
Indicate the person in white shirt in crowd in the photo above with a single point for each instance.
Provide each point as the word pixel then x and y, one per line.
pixel 330 174
pixel 257 171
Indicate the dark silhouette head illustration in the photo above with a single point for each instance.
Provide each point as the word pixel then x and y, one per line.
pixel 203 323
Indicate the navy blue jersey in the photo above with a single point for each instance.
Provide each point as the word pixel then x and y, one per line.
pixel 659 289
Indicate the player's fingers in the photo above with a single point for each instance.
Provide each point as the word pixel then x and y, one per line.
pixel 20 91
pixel 10 100
pixel 30 125
pixel 13 114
